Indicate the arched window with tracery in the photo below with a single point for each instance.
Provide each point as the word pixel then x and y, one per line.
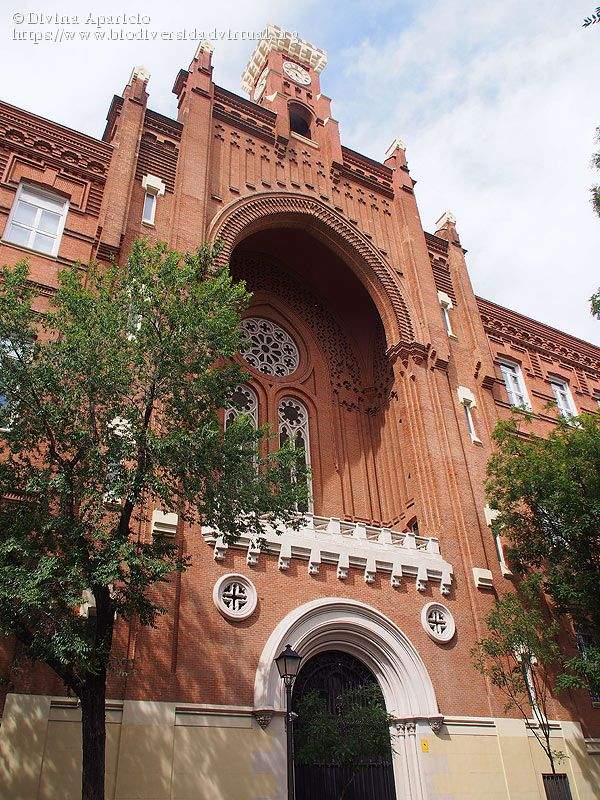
pixel 243 400
pixel 293 428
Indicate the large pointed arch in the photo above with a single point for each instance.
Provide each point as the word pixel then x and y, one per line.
pixel 247 215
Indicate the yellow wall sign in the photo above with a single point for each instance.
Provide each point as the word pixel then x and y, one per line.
pixel 425 745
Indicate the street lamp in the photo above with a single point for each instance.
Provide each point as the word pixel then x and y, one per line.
pixel 288 664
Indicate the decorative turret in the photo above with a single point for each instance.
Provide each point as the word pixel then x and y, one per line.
pixel 445 228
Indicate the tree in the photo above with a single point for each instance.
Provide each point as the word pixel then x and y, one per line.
pixel 593 19
pixel 351 736
pixel 595 298
pixel 547 492
pixel 110 405
pixel 595 190
pixel 520 655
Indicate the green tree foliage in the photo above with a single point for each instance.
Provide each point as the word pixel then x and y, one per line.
pixel 595 190
pixel 352 735
pixel 595 298
pixel 547 491
pixel 110 405
pixel 520 656
pixel 592 19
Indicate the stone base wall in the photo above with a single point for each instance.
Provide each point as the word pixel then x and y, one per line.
pixel 163 751
pixel 500 759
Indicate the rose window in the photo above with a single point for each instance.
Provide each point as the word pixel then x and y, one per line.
pixel 438 622
pixel 269 349
pixel 235 596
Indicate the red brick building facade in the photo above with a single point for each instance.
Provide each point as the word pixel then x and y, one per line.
pixel 381 358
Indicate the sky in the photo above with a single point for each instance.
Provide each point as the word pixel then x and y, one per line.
pixel 497 103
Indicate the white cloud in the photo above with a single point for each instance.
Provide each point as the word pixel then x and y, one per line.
pixel 73 81
pixel 497 105
pixel 497 102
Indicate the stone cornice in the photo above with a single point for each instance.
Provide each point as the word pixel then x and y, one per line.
pixel 510 326
pixel 348 545
pixel 27 133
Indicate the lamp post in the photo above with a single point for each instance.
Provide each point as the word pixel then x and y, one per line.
pixel 288 664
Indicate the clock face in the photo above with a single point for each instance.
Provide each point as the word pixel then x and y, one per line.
pixel 296 73
pixel 260 85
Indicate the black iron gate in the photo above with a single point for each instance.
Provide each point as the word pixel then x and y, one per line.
pixel 557 786
pixel 331 673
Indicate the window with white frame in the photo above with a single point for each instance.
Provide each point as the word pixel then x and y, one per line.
pixel 491 515
pixel 438 622
pixel 563 397
pixel 37 219
pixel 149 208
pixel 154 189
pixel 468 402
pixel 446 305
pixel 293 427
pixel 243 400
pixel 515 385
pixel 470 422
pixel 235 596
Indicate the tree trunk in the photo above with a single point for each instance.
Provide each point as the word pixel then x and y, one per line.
pixel 93 728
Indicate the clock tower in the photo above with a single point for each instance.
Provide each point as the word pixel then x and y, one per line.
pixel 283 76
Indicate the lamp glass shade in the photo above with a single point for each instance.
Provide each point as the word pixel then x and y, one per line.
pixel 288 662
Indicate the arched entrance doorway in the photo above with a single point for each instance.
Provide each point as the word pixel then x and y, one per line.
pixel 341 624
pixel 332 674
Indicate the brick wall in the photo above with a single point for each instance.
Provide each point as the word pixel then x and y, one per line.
pixel 332 244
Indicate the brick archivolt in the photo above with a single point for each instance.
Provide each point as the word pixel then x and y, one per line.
pixel 367 633
pixel 247 215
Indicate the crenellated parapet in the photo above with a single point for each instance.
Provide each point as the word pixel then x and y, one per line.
pixel 348 545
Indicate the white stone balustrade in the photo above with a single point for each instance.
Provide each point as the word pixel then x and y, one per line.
pixel 329 540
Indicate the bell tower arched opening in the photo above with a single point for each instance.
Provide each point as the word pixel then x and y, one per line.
pixel 356 629
pixel 301 119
